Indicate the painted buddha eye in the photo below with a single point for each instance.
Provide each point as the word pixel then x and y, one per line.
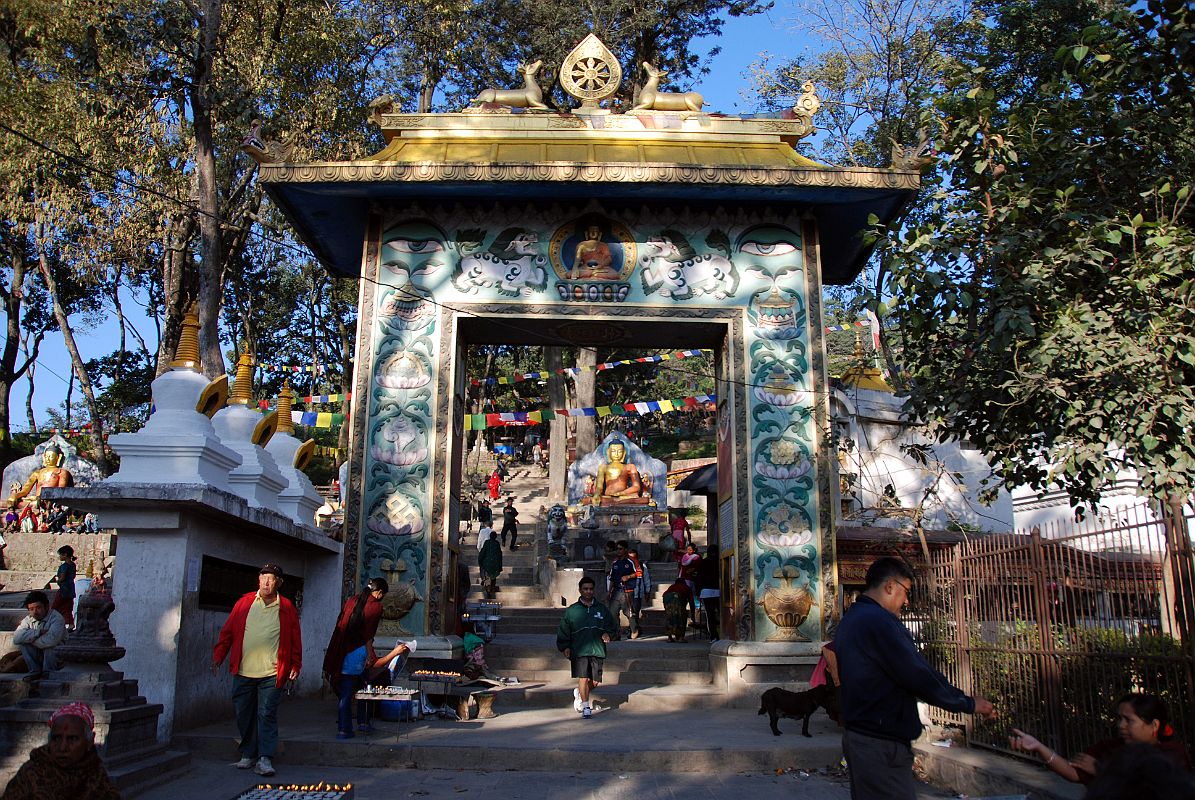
pixel 755 248
pixel 417 246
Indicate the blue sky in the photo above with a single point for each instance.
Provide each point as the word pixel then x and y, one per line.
pixel 726 89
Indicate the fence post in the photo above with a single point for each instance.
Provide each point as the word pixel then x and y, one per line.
pixel 1051 678
pixel 1182 567
pixel 963 645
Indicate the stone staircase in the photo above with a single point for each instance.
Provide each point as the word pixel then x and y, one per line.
pixel 648 673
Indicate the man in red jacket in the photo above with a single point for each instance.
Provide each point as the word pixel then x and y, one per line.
pixel 262 634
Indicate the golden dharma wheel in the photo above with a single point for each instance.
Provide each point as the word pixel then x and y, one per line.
pixel 590 72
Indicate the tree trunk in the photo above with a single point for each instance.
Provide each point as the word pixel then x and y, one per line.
pixel 345 336
pixel 211 240
pixel 586 383
pixel 79 370
pixel 12 295
pixel 177 288
pixel 558 429
pixel 482 390
pixel 29 352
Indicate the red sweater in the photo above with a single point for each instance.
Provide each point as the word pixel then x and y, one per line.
pixel 290 638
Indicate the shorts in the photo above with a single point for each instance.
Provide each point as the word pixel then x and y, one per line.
pixel 588 667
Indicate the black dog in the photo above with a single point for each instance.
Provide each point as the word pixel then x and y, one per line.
pixel 777 703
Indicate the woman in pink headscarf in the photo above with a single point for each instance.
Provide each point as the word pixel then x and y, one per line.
pixel 67 767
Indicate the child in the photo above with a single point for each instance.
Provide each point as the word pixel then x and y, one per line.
pixel 64 600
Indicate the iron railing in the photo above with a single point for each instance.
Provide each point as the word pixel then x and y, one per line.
pixel 1054 625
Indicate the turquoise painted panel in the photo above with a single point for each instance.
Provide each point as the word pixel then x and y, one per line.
pixel 727 259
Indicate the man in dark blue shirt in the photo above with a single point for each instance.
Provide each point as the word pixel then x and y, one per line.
pixel 621 587
pixel 883 677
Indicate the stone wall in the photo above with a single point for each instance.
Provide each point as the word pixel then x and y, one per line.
pixel 30 559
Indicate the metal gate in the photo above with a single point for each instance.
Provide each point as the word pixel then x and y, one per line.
pixel 1054 625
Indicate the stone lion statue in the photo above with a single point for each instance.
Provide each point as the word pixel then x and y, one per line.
pixel 557 524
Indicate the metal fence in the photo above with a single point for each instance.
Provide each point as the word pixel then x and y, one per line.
pixel 1054 625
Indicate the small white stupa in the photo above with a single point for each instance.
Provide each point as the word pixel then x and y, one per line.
pixel 299 500
pixel 178 445
pixel 240 427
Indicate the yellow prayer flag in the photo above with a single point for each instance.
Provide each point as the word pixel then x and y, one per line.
pixel 323 419
pixel 603 411
pixel 666 405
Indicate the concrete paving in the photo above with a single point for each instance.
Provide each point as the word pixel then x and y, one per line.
pixel 217 780
pixel 533 753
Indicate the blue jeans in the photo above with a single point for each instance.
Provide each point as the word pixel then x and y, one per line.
pixel 256 704
pixel 39 660
pixel 344 706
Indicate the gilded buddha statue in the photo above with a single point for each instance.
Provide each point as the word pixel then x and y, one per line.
pixel 51 474
pixel 619 483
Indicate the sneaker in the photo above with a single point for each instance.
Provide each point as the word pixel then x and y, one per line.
pixel 265 767
pixel 244 763
pixel 587 713
pixel 577 704
pixel 340 735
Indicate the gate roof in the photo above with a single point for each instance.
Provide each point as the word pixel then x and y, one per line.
pixel 635 157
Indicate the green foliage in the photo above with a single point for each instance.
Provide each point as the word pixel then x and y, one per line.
pixel 1043 286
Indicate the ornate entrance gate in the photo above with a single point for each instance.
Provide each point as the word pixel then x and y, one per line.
pixel 591 228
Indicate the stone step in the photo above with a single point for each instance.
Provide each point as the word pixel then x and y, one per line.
pixel 159 766
pixel 519 663
pixel 610 677
pixel 637 697
pixel 514 575
pixel 10 618
pixel 24 580
pixel 508 594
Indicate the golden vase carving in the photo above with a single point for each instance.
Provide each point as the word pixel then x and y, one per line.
pixel 787 606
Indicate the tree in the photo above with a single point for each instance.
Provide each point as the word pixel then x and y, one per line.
pixel 878 64
pixel 1044 288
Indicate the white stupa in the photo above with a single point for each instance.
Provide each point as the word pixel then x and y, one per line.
pixel 243 429
pixel 299 500
pixel 178 445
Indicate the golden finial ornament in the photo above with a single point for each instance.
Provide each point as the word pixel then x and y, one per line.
pixel 187 354
pixel 242 388
pixel 286 401
pixel 808 103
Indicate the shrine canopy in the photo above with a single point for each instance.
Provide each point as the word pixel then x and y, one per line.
pixel 493 152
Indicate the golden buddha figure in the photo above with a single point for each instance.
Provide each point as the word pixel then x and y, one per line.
pixel 51 475
pixel 618 483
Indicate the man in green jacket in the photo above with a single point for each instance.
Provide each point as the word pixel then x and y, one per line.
pixel 584 631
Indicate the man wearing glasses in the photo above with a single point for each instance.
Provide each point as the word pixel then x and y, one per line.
pixel 883 677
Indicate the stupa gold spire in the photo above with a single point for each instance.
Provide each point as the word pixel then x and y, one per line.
pixel 286 399
pixel 187 354
pixel 861 376
pixel 242 389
